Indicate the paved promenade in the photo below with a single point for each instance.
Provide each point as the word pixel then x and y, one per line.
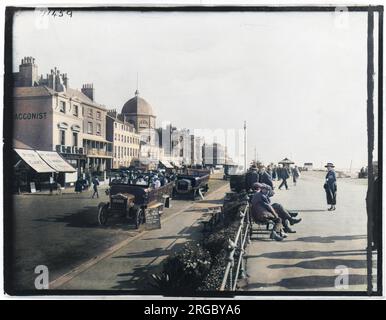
pixel 307 260
pixel 131 266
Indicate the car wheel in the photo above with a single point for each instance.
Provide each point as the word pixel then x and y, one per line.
pixel 103 215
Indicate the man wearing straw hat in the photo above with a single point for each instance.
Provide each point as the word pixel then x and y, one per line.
pixel 330 186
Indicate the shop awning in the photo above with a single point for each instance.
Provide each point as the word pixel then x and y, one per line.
pixel 54 160
pixel 166 164
pixel 34 160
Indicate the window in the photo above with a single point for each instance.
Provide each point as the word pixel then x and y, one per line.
pixel 115 137
pixel 76 111
pixel 98 115
pixel 62 137
pixel 115 151
pixel 89 113
pixel 89 127
pixel 62 106
pixel 75 139
pixel 98 129
pixel 143 124
pixel 115 125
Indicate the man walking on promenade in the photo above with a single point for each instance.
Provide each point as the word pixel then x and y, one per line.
pixel 295 174
pixel 284 176
pixel 95 183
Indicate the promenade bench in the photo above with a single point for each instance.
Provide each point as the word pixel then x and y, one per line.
pixel 215 215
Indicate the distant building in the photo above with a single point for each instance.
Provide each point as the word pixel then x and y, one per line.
pixel 124 138
pixel 140 114
pixel 196 149
pixel 214 154
pixel 308 166
pixel 51 116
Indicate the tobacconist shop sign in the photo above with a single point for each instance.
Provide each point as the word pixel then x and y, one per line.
pixel 31 116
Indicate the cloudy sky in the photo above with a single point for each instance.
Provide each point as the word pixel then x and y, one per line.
pixel 299 80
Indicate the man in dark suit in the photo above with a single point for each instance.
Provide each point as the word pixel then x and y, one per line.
pixel 284 174
pixel 252 177
pixel 265 177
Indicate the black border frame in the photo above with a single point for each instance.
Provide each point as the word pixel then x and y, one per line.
pixel 8 154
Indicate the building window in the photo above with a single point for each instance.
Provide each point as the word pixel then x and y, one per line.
pixel 89 113
pixel 75 139
pixel 89 127
pixel 115 151
pixel 76 111
pixel 62 137
pixel 115 136
pixel 98 129
pixel 115 125
pixel 98 115
pixel 62 106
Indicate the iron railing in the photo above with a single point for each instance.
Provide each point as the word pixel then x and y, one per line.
pixel 237 247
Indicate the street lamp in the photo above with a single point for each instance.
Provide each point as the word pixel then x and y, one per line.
pixel 245 146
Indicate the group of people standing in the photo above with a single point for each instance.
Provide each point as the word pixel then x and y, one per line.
pixel 262 174
pixel 82 184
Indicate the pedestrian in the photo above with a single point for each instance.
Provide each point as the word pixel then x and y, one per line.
pixel 274 172
pixel 284 175
pixel 95 183
pixel 330 186
pixel 295 174
pixel 51 185
pixel 78 185
pixel 58 188
pixel 252 177
pixel 265 177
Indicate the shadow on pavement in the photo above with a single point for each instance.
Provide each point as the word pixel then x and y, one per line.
pixel 323 264
pixel 139 279
pixel 310 282
pixel 329 239
pixel 87 218
pixel 309 210
pixel 307 254
pixel 217 201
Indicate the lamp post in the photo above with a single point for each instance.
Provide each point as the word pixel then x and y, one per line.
pixel 245 146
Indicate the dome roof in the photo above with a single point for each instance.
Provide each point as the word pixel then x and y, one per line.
pixel 137 105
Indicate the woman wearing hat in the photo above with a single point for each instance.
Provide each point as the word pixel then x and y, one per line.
pixel 330 186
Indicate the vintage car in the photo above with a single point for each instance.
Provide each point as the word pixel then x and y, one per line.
pixel 132 198
pixel 192 182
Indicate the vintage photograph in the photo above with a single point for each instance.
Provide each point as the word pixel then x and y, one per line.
pixel 193 151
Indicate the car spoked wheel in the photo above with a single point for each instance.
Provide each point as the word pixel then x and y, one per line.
pixel 103 215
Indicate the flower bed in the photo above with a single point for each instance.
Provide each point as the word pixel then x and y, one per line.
pixel 199 265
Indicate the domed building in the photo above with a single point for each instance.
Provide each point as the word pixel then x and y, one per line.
pixel 139 113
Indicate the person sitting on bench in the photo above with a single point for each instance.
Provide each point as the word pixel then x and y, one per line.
pixel 262 211
pixel 288 218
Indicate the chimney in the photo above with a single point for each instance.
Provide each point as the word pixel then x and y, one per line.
pixel 88 90
pixel 28 72
pixel 66 81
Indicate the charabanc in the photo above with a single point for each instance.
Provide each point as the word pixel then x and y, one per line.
pixel 131 195
pixel 192 182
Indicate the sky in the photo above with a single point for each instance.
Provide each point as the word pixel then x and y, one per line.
pixel 298 79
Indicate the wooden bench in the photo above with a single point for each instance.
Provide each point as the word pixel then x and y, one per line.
pixel 216 215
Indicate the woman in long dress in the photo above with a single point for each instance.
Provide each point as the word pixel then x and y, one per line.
pixel 330 186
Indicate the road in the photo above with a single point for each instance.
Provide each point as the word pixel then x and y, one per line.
pixel 62 232
pixel 307 260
